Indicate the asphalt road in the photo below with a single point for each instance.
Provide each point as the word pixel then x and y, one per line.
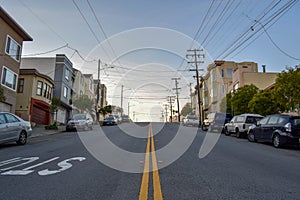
pixel 60 167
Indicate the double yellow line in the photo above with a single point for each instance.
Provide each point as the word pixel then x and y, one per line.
pixel 144 189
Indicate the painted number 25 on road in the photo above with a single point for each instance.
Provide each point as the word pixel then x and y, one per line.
pixel 8 167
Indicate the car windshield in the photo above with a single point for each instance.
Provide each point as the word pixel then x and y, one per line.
pixel 110 118
pixel 79 117
pixel 252 119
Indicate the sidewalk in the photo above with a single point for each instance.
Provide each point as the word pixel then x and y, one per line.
pixel 40 130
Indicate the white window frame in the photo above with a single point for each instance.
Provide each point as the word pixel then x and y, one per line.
pixel 67 74
pixel 15 57
pixel 14 74
pixel 65 92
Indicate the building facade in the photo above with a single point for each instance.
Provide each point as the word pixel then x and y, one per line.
pixel 11 37
pixel 34 94
pixel 60 69
pixel 218 81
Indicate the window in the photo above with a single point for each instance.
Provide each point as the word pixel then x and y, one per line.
pixel 273 120
pixel 65 92
pixel 240 119
pixel 223 89
pixel 263 120
pixel 236 86
pixel 21 85
pixel 229 73
pixel 11 119
pixel 222 73
pixel 67 74
pixel 214 75
pixel 215 91
pixel 45 90
pixel 2 119
pixel 39 88
pixel 13 48
pixel 9 78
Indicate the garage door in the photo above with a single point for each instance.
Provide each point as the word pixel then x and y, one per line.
pixel 39 115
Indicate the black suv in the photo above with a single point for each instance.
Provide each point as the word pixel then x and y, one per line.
pixel 215 121
pixel 278 129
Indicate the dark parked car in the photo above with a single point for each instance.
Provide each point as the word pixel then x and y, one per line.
pixel 215 121
pixel 14 129
pixel 111 120
pixel 80 121
pixel 278 129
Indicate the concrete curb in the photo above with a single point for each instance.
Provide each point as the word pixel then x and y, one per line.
pixel 39 131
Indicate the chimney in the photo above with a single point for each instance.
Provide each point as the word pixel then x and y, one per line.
pixel 264 68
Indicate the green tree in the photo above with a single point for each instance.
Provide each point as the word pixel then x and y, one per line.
pixel 2 96
pixel 287 89
pixel 263 103
pixel 241 98
pixel 187 109
pixel 55 103
pixel 226 105
pixel 105 110
pixel 83 102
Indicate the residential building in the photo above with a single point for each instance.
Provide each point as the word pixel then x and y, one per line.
pixel 34 94
pixel 244 74
pixel 60 69
pixel 79 83
pixel 11 37
pixel 89 85
pixel 216 83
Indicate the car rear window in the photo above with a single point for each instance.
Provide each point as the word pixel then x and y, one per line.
pixel 252 119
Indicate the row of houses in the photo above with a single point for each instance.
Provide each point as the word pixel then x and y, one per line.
pixel 223 77
pixel 30 83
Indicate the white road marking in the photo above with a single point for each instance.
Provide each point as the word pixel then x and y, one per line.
pixel 63 164
pixel 29 160
pixel 5 162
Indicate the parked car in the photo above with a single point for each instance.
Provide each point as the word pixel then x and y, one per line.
pixel 191 120
pixel 240 124
pixel 80 121
pixel 126 119
pixel 111 120
pixel 278 129
pixel 14 129
pixel 215 121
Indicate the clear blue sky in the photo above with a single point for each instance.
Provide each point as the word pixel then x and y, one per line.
pixel 54 23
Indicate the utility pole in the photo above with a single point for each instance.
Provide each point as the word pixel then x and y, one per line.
pixel 166 108
pixel 176 88
pixel 98 93
pixel 170 101
pixel 191 95
pixel 122 88
pixel 196 54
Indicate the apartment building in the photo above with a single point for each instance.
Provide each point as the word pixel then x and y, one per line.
pixel 60 69
pixel 12 37
pixel 34 94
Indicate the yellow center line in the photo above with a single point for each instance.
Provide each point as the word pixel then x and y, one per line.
pixel 157 193
pixel 145 179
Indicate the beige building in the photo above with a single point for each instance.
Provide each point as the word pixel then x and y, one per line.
pixel 11 37
pixel 34 94
pixel 244 74
pixel 217 82
pixel 89 85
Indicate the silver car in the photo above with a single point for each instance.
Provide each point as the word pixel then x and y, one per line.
pixel 240 124
pixel 80 121
pixel 14 129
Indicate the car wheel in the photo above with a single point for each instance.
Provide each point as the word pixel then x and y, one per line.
pixel 22 138
pixel 227 133
pixel 276 141
pixel 251 137
pixel 238 133
pixel 203 128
